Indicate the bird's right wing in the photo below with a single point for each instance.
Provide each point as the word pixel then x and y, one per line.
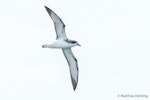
pixel 73 66
pixel 59 25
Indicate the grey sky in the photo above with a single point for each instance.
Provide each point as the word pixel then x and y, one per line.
pixel 114 57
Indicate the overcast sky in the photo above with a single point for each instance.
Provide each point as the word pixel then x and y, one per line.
pixel 114 57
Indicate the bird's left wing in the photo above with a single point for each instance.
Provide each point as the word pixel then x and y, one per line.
pixel 73 66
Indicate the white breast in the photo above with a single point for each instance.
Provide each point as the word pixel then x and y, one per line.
pixel 62 44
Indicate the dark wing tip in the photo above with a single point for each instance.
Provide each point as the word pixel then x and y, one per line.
pixel 46 7
pixel 48 10
pixel 74 83
pixel 74 86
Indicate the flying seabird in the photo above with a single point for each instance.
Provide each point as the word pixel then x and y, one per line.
pixel 62 42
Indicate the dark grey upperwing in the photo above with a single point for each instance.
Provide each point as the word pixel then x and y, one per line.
pixel 59 25
pixel 73 66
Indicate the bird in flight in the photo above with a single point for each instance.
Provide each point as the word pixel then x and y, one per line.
pixel 62 42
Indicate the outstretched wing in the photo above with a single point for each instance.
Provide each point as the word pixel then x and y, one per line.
pixel 73 66
pixel 59 25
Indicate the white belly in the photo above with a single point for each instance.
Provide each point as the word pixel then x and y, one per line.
pixel 61 44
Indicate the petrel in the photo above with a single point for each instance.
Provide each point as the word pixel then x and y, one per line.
pixel 62 42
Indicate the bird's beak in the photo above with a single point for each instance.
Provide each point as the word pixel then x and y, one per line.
pixel 78 44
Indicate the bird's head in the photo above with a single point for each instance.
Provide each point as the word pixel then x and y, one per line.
pixel 75 43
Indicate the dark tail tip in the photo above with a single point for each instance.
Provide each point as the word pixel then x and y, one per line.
pixel 43 46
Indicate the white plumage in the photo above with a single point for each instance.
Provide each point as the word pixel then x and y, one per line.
pixel 62 42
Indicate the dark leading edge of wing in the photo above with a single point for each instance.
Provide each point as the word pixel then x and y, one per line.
pixel 73 66
pixel 59 25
